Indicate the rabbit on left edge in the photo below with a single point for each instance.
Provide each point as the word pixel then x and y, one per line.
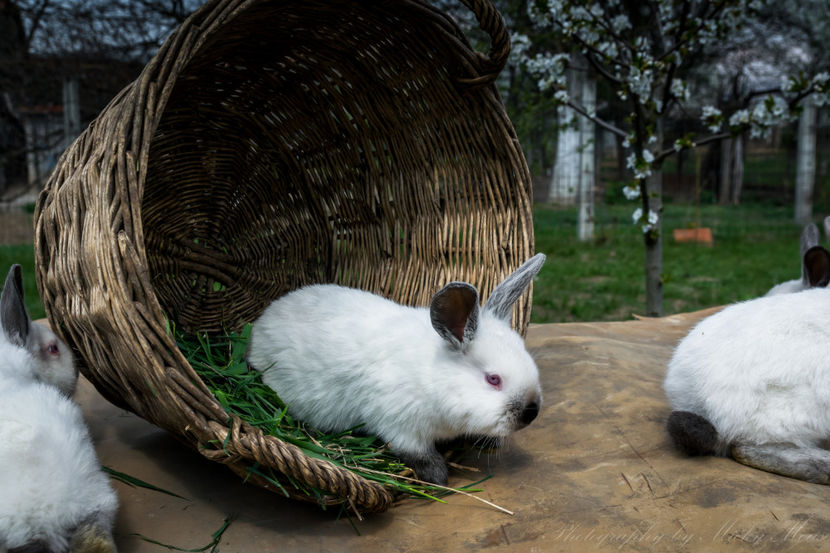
pixel 54 498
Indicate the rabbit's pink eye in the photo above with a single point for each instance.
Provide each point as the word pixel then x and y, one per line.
pixel 493 380
pixel 52 349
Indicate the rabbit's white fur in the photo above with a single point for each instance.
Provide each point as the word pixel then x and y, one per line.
pixel 787 287
pixel 341 357
pixel 53 491
pixel 758 371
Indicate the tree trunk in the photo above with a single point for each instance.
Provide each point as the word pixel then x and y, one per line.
pixel 805 174
pixel 565 182
pixel 71 111
pixel 737 172
pixel 654 238
pixel 654 248
pixel 619 151
pixel 32 157
pixel 587 173
pixel 725 170
pixel 564 187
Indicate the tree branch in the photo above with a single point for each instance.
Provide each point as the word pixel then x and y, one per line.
pixel 694 32
pixel 604 124
pixel 37 17
pixel 671 151
pixel 602 70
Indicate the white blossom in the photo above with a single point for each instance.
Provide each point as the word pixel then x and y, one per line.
pixel 766 115
pixel 519 46
pixel 787 84
pixel 740 117
pixel 821 98
pixel 640 82
pixel 650 222
pixel 550 69
pixel 820 83
pixel 680 90
pixel 631 191
pixel 679 144
pixel 712 118
pixel 666 12
pixel 641 166
pixel 620 23
pixel 608 49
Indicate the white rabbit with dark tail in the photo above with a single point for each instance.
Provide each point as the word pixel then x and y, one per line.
pixel 54 498
pixel 753 381
pixel 815 263
pixel 340 357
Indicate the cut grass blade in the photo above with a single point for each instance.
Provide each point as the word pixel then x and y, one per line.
pixel 136 482
pixel 217 536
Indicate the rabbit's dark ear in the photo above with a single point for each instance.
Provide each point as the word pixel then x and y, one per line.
pixel 500 303
pixel 817 267
pixel 13 316
pixel 454 314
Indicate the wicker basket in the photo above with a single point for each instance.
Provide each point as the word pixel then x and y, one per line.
pixel 269 145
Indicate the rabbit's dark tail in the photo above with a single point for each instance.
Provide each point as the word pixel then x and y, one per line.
pixel 93 536
pixel 691 433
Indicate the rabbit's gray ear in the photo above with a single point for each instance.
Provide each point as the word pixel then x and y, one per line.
pixel 817 267
pixel 501 301
pixel 809 238
pixel 13 316
pixel 454 314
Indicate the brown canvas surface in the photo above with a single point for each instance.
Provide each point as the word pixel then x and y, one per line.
pixel 595 472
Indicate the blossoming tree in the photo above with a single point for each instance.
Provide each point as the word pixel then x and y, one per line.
pixel 644 50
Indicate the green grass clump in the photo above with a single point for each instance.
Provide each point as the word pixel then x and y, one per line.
pixel 219 361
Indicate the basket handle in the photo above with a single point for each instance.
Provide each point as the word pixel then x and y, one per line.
pixel 491 22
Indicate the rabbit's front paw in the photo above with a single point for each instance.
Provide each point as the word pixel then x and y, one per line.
pixel 430 467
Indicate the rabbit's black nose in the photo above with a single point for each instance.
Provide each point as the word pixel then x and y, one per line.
pixel 529 413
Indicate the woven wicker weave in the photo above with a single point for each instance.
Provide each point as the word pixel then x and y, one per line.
pixel 268 145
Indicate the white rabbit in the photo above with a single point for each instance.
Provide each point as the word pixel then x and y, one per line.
pixel 753 380
pixel 341 357
pixel 54 497
pixel 815 263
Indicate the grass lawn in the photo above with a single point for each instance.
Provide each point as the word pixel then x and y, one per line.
pixel 755 247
